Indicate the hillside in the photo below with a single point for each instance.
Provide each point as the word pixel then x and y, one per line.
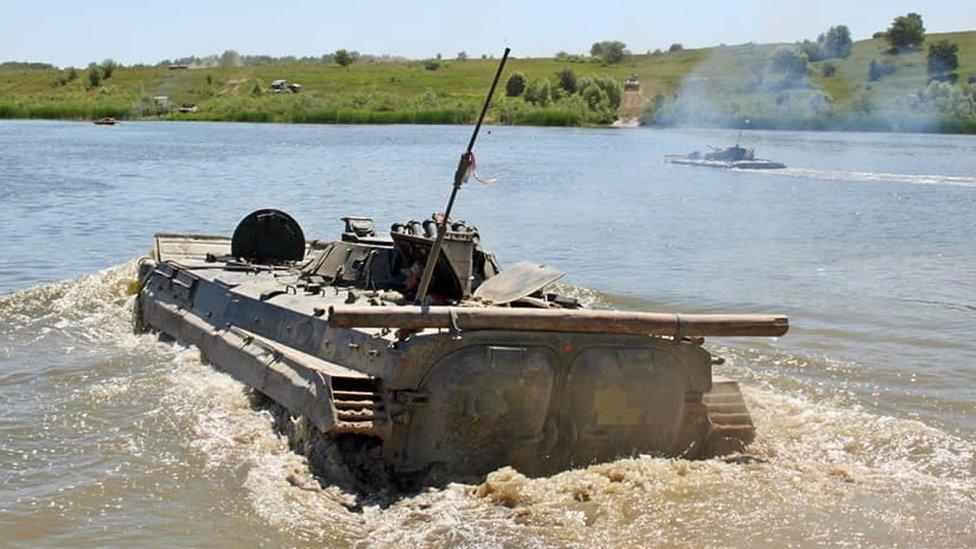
pixel 711 86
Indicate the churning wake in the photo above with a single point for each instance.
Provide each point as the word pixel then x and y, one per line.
pixel 161 425
pixel 839 175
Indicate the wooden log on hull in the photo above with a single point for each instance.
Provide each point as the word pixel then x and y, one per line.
pixel 558 320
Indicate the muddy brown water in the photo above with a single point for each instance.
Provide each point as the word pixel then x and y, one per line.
pixel 865 412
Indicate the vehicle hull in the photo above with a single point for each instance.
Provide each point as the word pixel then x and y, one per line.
pixel 441 404
pixel 757 164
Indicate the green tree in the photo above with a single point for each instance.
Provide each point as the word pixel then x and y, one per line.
pixel 874 71
pixel 878 70
pixel 515 84
pixel 230 58
pixel 342 58
pixel 108 68
pixel 566 79
pixel 906 31
pixel 828 70
pixel 539 92
pixel 789 64
pixel 94 75
pixel 611 89
pixel 593 91
pixel 609 51
pixel 836 42
pixel 462 56
pixel 813 50
pixel 675 48
pixel 943 58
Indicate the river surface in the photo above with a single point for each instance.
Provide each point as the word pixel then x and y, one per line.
pixel 865 411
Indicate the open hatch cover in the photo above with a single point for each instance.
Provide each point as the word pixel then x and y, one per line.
pixel 516 282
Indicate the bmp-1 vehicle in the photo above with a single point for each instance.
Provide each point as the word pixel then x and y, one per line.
pixel 729 157
pixel 421 346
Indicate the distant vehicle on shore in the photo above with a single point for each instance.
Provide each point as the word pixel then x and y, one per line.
pixel 280 86
pixel 106 121
pixel 729 157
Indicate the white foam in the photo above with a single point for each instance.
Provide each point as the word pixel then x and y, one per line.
pixel 839 175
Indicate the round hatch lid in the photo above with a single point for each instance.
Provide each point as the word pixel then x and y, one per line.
pixel 268 236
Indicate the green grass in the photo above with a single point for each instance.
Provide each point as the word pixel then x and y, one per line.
pixel 406 92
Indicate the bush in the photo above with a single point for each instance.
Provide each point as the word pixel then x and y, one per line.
pixel 230 58
pixel 675 48
pixel 906 32
pixel 429 99
pixel 70 76
pixel 94 75
pixel 432 64
pixel 539 92
pixel 813 50
pixel 836 42
pixel 602 96
pixel 612 88
pixel 515 84
pixel 946 99
pixel 598 102
pixel 342 58
pixel 876 70
pixel 788 63
pixel 943 57
pixel 609 51
pixel 566 80
pixel 108 68
pixel 828 70
pixel 570 113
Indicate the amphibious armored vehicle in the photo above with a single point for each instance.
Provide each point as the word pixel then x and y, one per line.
pixel 493 368
pixel 729 157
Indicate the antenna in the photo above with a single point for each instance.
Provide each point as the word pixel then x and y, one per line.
pixel 739 137
pixel 460 176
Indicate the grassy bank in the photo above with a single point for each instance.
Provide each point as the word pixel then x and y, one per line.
pixel 709 86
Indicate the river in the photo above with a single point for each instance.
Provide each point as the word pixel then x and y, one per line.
pixel 865 411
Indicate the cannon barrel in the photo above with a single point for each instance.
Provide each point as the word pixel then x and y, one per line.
pixel 558 320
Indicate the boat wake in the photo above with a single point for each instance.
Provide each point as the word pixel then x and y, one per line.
pixel 839 175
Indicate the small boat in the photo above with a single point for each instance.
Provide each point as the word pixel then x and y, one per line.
pixel 106 121
pixel 729 157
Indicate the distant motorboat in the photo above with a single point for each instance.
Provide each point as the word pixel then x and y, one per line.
pixel 729 157
pixel 106 121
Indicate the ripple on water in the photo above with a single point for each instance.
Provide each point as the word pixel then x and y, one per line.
pixel 146 434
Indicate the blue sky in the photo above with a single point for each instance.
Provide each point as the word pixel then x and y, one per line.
pixel 75 32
